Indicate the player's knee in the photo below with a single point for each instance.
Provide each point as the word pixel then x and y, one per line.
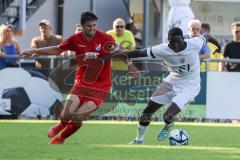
pixel 72 97
pixel 65 116
pixel 153 104
pixel 78 118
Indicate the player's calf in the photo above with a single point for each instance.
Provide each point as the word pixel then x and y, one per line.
pixel 168 118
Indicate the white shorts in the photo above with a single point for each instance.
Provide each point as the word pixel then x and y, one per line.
pixel 166 93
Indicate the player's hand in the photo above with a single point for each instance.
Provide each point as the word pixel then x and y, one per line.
pixel 27 53
pixel 90 55
pixel 134 72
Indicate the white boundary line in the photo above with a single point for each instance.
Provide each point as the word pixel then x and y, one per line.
pixel 129 123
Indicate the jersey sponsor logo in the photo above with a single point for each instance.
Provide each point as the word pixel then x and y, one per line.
pixel 182 60
pixel 184 69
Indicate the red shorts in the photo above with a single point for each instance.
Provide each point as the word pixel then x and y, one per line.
pixel 85 93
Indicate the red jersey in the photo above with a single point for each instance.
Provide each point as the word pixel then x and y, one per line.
pixel 94 73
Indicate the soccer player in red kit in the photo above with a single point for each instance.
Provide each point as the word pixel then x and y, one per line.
pixel 92 80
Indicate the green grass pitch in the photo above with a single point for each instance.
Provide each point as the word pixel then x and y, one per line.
pixel 99 140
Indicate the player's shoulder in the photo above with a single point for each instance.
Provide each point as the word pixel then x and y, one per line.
pixel 163 46
pixel 162 49
pixel 76 36
pixel 101 33
pixel 103 36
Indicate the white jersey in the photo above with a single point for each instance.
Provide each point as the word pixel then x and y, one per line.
pixel 185 65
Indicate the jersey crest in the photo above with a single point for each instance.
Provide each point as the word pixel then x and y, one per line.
pixel 98 48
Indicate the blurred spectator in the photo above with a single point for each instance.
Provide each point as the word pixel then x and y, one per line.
pixel 232 49
pixel 124 39
pixel 205 28
pixel 45 39
pixel 180 14
pixel 194 27
pixel 212 66
pixel 9 47
pixel 136 33
pixel 78 28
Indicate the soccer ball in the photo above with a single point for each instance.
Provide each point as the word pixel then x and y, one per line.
pixel 26 94
pixel 178 137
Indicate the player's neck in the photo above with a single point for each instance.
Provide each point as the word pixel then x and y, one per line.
pixel 88 38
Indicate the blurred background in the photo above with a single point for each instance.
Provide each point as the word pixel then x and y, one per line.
pixel 217 101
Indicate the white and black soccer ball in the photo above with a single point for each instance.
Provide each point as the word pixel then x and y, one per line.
pixel 27 92
pixel 178 137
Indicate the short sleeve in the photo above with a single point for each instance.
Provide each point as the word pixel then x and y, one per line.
pixel 67 44
pixel 150 53
pixel 108 42
pixel 155 51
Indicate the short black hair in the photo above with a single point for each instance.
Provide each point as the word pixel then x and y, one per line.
pixel 175 31
pixel 88 16
pixel 206 26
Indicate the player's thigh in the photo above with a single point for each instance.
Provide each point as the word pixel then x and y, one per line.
pixel 84 111
pixel 70 107
pixel 163 94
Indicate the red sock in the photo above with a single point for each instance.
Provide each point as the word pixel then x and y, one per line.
pixel 58 127
pixel 69 130
pixel 64 123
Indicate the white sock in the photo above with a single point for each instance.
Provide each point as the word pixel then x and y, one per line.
pixel 140 132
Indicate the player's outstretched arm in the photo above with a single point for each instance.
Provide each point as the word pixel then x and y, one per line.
pixel 213 40
pixel 53 50
pixel 123 55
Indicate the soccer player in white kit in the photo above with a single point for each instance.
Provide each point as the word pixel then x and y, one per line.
pixel 181 86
